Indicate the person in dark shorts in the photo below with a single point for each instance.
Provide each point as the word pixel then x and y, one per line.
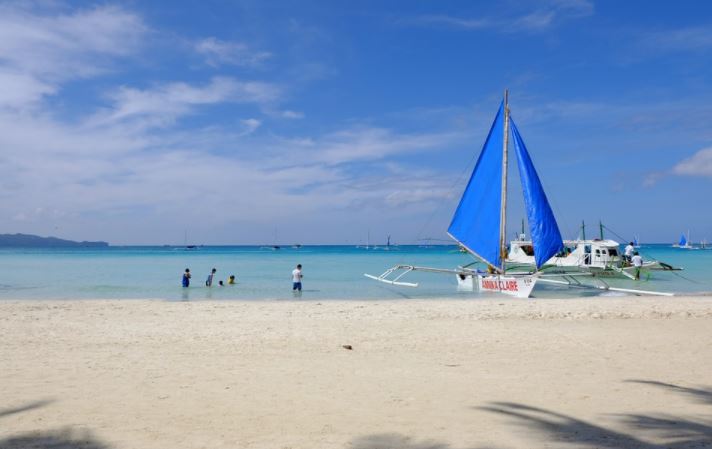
pixel 297 278
pixel 209 280
pixel 186 278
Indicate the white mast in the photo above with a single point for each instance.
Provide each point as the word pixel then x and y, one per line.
pixel 503 211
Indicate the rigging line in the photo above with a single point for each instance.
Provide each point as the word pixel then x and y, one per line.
pixel 624 240
pixel 439 208
pixel 676 274
pixel 686 278
pixel 615 233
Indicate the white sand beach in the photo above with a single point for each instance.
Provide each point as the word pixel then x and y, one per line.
pixel 599 372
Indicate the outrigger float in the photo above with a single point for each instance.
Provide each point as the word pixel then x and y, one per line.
pixel 479 225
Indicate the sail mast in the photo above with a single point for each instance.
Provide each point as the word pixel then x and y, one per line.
pixel 503 211
pixel 583 230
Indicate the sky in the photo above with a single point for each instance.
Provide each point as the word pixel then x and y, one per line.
pixel 325 122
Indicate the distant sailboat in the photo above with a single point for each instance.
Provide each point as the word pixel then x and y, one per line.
pixel 368 241
pixel 684 242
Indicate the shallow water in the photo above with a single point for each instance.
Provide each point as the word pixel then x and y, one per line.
pixel 330 272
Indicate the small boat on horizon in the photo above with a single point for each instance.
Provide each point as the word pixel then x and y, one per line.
pixel 684 242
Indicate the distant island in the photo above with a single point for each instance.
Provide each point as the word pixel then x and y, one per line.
pixel 35 241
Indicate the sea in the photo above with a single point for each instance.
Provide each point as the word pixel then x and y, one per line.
pixel 264 273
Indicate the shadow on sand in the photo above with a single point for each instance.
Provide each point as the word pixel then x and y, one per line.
pixel 547 426
pixel 394 441
pixel 24 408
pixel 54 439
pixel 59 439
pixel 669 432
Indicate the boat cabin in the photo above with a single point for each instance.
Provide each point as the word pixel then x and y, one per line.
pixel 576 253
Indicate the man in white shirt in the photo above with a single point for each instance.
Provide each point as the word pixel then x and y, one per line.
pixel 629 250
pixel 297 278
pixel 637 263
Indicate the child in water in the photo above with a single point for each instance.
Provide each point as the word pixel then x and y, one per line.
pixel 186 278
pixel 231 280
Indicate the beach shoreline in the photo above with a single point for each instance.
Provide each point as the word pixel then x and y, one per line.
pixel 421 373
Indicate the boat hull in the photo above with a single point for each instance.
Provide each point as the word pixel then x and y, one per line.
pixel 517 286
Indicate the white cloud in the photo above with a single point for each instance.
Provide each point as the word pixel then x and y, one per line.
pixel 681 39
pixel 217 52
pixel 292 114
pixel 125 173
pixel 547 14
pixel 453 21
pixel 367 144
pixel 699 164
pixel 39 50
pixel 95 181
pixel 162 104
pixel 251 125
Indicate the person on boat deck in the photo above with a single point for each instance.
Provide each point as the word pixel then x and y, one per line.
pixel 297 278
pixel 637 263
pixel 186 278
pixel 209 280
pixel 231 280
pixel 628 254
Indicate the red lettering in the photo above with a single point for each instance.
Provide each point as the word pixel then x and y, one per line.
pixel 506 285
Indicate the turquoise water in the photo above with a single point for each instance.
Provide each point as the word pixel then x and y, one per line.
pixel 330 272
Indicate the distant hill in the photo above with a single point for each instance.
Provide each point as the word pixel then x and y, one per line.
pixel 35 241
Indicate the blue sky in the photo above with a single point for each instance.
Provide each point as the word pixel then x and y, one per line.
pixel 254 122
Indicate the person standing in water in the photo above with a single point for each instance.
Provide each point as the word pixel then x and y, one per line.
pixel 209 280
pixel 186 278
pixel 297 278
pixel 638 264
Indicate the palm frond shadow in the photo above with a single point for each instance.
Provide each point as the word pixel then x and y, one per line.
pixel 59 439
pixel 24 408
pixel 669 432
pixel 396 441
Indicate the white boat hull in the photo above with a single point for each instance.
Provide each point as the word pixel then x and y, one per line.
pixel 517 286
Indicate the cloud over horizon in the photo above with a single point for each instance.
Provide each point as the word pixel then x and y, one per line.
pixel 118 123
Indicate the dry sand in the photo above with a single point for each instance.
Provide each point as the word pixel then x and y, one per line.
pixel 604 372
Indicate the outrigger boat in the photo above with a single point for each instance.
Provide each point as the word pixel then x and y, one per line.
pixel 600 257
pixel 480 220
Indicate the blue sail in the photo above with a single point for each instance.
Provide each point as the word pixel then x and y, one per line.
pixel 475 224
pixel 683 240
pixel 544 231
